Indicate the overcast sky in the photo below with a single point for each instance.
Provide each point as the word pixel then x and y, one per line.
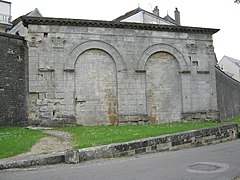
pixel 220 14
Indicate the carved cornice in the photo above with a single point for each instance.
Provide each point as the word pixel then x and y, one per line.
pixel 113 24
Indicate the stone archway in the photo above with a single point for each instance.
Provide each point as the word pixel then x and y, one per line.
pixel 163 88
pixel 183 65
pixel 94 44
pixel 95 88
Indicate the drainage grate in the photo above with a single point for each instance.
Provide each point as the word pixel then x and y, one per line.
pixel 207 167
pixel 204 167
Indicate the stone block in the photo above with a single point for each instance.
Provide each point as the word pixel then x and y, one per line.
pixel 122 147
pixel 140 151
pixel 164 146
pixel 135 145
pixel 71 157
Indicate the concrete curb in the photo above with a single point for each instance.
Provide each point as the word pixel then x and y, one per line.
pixel 176 141
pixel 24 162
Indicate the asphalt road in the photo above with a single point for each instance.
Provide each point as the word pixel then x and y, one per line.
pixel 215 162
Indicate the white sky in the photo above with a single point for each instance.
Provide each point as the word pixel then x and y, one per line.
pixel 220 14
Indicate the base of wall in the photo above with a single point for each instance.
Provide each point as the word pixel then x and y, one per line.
pixel 212 116
pixel 55 122
pixel 15 122
pixel 69 120
pixel 137 119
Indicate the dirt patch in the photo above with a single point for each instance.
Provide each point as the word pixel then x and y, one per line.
pixel 58 141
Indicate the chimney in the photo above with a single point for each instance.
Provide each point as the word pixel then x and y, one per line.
pixel 156 11
pixel 177 17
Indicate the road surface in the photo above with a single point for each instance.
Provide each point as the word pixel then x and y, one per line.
pixel 215 162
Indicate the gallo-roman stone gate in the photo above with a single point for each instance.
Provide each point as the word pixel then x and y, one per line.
pixel 101 72
pixel 89 72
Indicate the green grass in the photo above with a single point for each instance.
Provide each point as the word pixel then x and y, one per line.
pixel 235 120
pixel 17 140
pixel 101 135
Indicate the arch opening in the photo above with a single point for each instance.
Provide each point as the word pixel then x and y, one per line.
pixel 95 88
pixel 163 88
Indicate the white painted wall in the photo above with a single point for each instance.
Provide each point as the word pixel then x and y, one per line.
pixel 5 9
pixel 144 17
pixel 230 68
pixel 5 15
pixel 138 18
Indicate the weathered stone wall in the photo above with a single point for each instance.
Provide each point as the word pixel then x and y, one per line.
pixel 177 141
pixel 13 80
pixel 228 95
pixel 102 75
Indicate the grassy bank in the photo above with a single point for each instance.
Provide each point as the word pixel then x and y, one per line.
pixel 234 120
pixel 101 135
pixel 17 140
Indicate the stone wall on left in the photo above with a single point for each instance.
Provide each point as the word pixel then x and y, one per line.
pixel 13 80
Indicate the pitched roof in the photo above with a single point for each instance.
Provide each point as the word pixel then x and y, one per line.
pixel 16 21
pixel 128 14
pixel 137 10
pixel 170 19
pixel 5 2
pixel 113 24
